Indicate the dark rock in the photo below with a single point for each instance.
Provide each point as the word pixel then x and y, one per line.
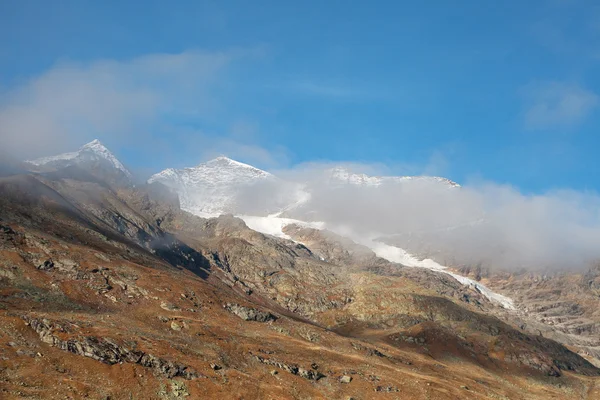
pixel 47 265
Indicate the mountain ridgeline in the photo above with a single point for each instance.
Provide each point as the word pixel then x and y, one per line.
pixel 219 281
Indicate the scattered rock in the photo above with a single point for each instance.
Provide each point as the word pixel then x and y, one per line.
pixel 175 326
pixel 387 389
pixel 345 379
pixel 215 367
pixel 4 273
pixel 169 306
pixel 464 387
pixel 107 351
pixel 291 368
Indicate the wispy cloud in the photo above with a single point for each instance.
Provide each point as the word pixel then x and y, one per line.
pixel 73 102
pixel 557 104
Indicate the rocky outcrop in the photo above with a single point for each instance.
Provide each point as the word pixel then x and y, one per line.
pixel 249 314
pixel 106 350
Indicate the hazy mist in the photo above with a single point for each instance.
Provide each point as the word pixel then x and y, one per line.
pixel 477 223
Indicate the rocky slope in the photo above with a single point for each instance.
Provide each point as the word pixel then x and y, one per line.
pixel 99 298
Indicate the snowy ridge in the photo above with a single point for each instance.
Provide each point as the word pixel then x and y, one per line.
pixel 344 176
pixel 93 150
pixel 214 187
pixel 61 157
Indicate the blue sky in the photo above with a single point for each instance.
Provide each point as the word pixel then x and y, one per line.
pixel 502 91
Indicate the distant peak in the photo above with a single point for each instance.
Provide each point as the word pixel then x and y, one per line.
pixel 93 143
pixel 223 160
pixel 94 149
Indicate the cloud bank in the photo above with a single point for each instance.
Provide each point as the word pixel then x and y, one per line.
pixel 479 223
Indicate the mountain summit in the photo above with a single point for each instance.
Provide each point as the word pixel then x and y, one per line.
pixel 211 187
pixel 92 159
pixel 93 151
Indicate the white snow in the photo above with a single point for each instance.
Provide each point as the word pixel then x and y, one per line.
pixel 273 226
pixel 93 150
pixel 210 187
pixel 60 157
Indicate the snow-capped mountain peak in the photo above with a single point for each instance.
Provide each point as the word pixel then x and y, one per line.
pixel 92 151
pixel 211 187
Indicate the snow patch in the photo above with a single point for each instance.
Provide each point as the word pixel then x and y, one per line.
pixel 273 226
pixel 398 255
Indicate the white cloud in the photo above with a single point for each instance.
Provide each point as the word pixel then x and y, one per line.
pixel 487 223
pixel 556 104
pixel 74 102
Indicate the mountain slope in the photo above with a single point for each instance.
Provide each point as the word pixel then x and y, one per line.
pixel 118 293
